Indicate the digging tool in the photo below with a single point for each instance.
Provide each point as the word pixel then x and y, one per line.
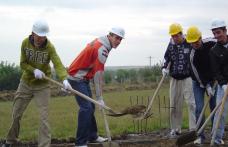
pixel 219 117
pixel 81 94
pixel 135 110
pixel 191 136
pixel 94 101
pixel 146 113
pixel 202 113
pixel 106 126
pixel 204 108
pixel 110 143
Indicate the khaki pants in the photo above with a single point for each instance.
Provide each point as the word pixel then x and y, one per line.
pixel 180 90
pixel 24 95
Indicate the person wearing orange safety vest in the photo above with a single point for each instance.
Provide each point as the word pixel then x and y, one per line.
pixel 89 65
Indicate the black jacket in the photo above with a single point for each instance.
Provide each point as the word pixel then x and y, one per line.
pixel 201 70
pixel 219 61
pixel 178 56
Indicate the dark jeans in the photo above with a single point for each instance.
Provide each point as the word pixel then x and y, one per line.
pixel 87 126
pixel 199 99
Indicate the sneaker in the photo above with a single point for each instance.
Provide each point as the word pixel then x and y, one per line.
pixel 173 134
pixel 198 141
pixel 219 142
pixel 6 145
pixel 101 139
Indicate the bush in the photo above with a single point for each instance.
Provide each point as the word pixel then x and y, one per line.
pixel 9 76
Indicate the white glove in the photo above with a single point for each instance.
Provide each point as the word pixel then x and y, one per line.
pixel 210 92
pixel 38 74
pixel 165 71
pixel 224 87
pixel 66 85
pixel 101 101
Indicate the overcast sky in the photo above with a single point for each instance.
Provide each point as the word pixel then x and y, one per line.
pixel 74 23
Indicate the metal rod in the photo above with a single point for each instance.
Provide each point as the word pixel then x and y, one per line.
pixel 133 119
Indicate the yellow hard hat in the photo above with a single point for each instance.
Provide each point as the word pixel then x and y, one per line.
pixel 193 34
pixel 175 28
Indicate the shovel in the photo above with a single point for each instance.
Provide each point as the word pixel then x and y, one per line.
pixel 135 111
pixel 146 113
pixel 204 108
pixel 110 143
pixel 219 117
pixel 94 101
pixel 191 136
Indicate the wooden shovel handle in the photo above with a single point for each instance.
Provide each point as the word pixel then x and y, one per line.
pixel 208 118
pixel 80 94
pixel 156 92
pixel 106 126
pixel 204 108
pixel 219 116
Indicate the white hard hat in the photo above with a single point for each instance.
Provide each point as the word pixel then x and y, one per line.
pixel 118 31
pixel 40 27
pixel 218 23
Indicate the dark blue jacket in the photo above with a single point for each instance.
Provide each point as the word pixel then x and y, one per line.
pixel 178 55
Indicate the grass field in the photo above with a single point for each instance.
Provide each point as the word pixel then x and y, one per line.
pixel 63 115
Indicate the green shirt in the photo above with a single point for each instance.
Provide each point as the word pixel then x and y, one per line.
pixel 39 58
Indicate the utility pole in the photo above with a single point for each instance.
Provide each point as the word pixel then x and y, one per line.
pixel 150 58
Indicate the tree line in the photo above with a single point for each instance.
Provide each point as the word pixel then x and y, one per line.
pixel 10 75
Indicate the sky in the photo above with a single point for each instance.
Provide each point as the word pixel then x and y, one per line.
pixel 74 23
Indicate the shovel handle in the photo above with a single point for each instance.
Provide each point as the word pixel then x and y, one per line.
pixel 156 92
pixel 219 117
pixel 204 108
pixel 202 113
pixel 80 94
pixel 208 118
pixel 106 126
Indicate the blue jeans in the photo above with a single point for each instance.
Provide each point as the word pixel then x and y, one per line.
pixel 87 126
pixel 220 130
pixel 199 99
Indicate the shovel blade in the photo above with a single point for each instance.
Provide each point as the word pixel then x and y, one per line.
pixel 186 138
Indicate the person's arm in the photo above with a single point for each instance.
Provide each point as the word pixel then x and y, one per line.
pixel 58 66
pixel 167 57
pixel 98 83
pixel 102 55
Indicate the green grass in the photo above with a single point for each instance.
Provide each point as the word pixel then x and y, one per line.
pixel 63 115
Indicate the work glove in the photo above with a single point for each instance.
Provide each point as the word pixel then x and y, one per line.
pixel 165 71
pixel 210 92
pixel 66 85
pixel 101 101
pixel 224 87
pixel 38 74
